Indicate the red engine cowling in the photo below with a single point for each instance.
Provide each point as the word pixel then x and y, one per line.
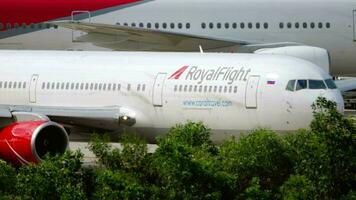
pixel 28 142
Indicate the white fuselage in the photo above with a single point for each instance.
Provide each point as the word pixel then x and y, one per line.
pixel 329 24
pixel 230 93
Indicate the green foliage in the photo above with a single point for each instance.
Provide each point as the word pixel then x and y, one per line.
pixel 7 178
pixel 254 191
pixel 261 154
pixel 186 166
pixel 117 185
pixel 56 177
pixel 325 154
pixel 297 187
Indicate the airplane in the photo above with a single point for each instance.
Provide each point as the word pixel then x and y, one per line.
pixel 149 92
pixel 320 31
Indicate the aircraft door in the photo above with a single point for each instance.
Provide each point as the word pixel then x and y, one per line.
pixel 33 84
pixel 79 16
pixel 251 92
pixel 354 22
pixel 158 89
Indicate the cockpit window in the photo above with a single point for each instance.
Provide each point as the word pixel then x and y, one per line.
pixel 316 84
pixel 290 85
pixel 301 84
pixel 330 83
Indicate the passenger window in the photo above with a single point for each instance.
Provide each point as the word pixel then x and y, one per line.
pixel 57 87
pixel 95 86
pixel 316 84
pixel 289 25
pixel 190 88
pixel 320 25
pixel 234 25
pixel 305 25
pixel 249 25
pixel 211 25
pixel 312 25
pixel 157 25
pixel 53 85
pixel 67 86
pixel 301 84
pixel 72 86
pixel 328 25
pixel 227 25
pixel 143 87
pixel 265 25
pixel 141 25
pixel 5 84
pixel 118 87
pixel 8 26
pixel 330 83
pixel 220 89
pixel 138 87
pixel 297 25
pixel 281 25
pixel 258 25
pixel 100 86
pixel 235 89
pixel 225 89
pixel 218 25
pixel 43 85
pixel 20 85
pixel 109 86
pixel 62 86
pixel 114 87
pixel 195 88
pixel 210 88
pixel 164 25
pixel 172 25
pixel 180 88
pixel 187 25
pixel 290 85
pixel 81 86
pixel 149 25
pixel 200 88
pixel 104 86
pixel 24 85
pixel 133 25
pixel 205 88
pixel 230 89
pixel 175 88
pixel 242 25
pixel 48 85
pixel 185 88
pixel 128 87
pixel 215 88
pixel 10 85
pixel 180 25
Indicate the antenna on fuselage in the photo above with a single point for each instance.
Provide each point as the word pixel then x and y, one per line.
pixel 201 49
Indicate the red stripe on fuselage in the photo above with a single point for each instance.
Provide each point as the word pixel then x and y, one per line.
pixel 36 11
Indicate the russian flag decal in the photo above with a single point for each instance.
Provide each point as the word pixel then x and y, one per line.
pixel 271 82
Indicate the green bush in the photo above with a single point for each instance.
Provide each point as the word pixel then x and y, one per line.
pixel 261 154
pixel 325 154
pixel 57 177
pixel 186 165
pixel 117 185
pixel 7 178
pixel 298 188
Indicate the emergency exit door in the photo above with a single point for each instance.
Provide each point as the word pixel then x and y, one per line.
pixel 158 89
pixel 79 16
pixel 354 22
pixel 251 92
pixel 33 84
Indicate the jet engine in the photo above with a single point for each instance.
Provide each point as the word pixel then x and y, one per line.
pixel 28 142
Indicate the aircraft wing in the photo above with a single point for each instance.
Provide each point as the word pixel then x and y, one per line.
pixel 108 118
pixel 345 85
pixel 118 37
